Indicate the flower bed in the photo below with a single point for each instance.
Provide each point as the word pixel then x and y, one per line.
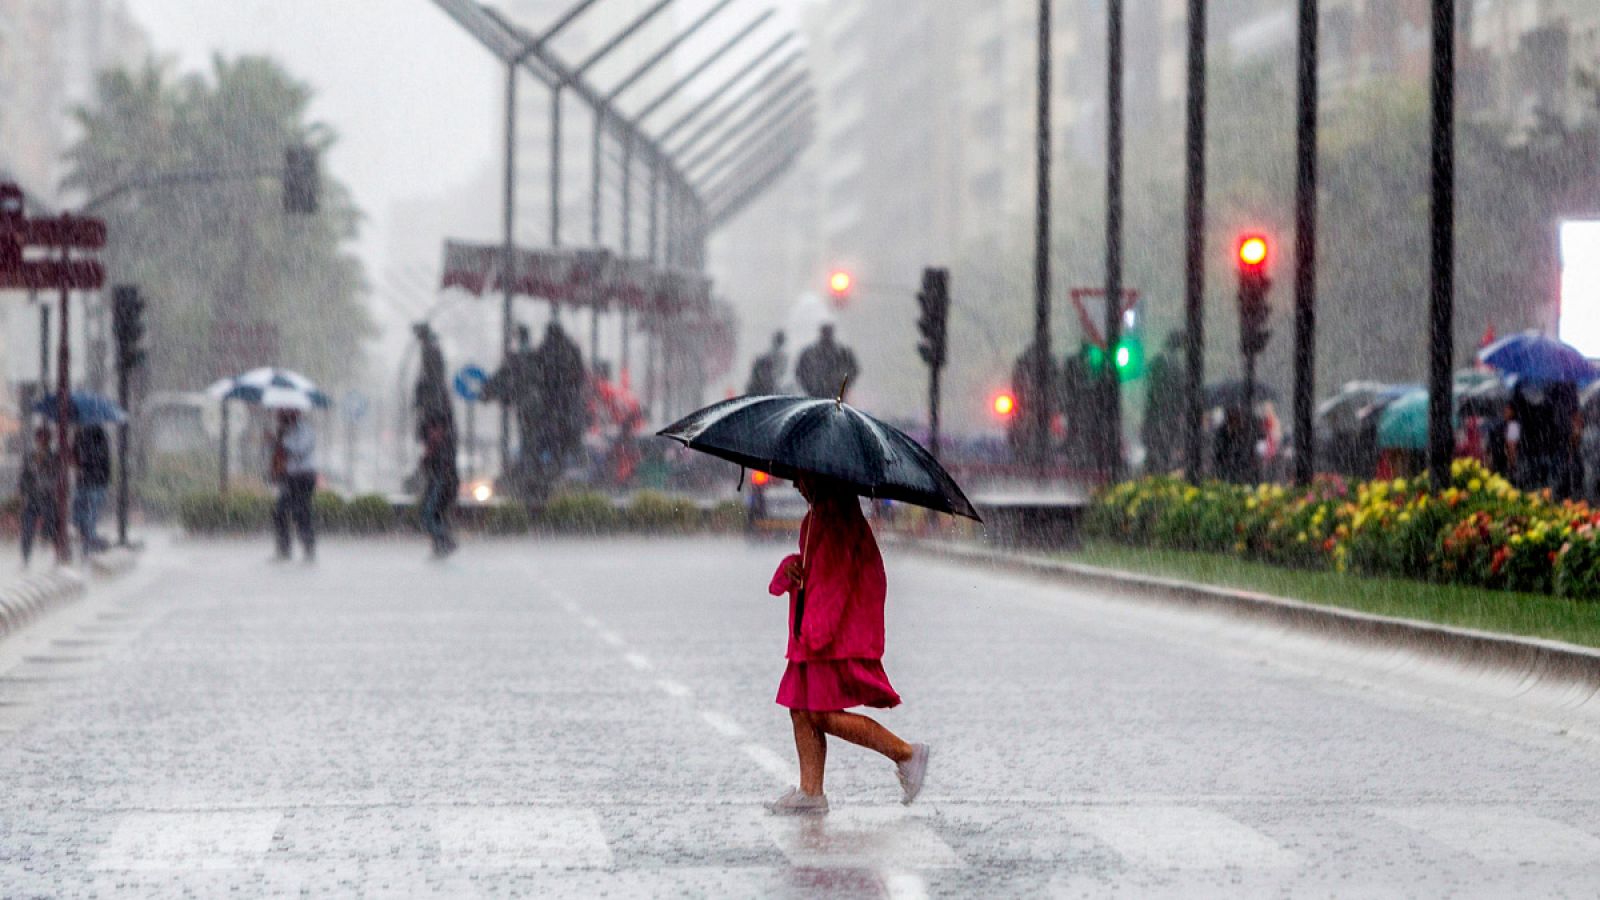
pixel 1478 531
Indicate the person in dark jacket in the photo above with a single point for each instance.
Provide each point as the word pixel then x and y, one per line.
pixel 1235 448
pixel 91 456
pixel 38 489
pixel 825 368
pixel 441 483
pixel 766 373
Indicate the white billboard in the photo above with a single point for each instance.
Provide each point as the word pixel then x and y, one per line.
pixel 1579 252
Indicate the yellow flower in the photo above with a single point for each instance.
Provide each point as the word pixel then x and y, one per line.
pixel 1475 485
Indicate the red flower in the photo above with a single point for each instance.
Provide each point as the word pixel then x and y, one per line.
pixel 1499 560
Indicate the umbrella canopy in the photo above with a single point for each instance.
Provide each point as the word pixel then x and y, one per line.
pixel 271 388
pixel 787 436
pixel 1533 357
pixel 1231 394
pixel 1345 411
pixel 86 408
pixel 1403 424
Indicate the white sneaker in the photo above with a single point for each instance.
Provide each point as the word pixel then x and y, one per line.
pixel 912 772
pixel 796 802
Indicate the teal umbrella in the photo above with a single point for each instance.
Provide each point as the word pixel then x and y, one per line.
pixel 1403 424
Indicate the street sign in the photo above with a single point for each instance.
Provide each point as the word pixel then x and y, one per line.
pixel 75 274
pixel 77 232
pixel 1091 305
pixel 470 382
pixel 59 232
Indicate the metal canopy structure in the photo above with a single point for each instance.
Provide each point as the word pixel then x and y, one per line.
pixel 685 192
pixel 736 157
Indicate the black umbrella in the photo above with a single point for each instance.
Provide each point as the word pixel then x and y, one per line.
pixel 787 436
pixel 1230 394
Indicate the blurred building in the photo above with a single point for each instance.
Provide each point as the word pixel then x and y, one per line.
pixel 50 52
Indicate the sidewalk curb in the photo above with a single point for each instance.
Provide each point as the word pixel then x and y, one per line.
pixel 1536 659
pixel 28 597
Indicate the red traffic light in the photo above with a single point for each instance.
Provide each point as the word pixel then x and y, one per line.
pixel 1252 251
pixel 839 283
pixel 1003 405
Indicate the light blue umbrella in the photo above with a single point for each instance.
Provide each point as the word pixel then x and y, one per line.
pixel 86 408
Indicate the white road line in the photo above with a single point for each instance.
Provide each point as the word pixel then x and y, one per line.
pixel 590 621
pixel 774 764
pixel 904 886
pixel 673 688
pixel 1499 834
pixel 723 725
pixel 637 660
pixel 612 638
pixel 522 838
pixel 1179 837
pixel 886 840
pixel 189 841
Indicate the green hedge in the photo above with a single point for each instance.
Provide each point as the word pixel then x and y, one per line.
pixel 1478 530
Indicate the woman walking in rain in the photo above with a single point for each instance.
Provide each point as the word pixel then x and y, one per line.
pixel 836 590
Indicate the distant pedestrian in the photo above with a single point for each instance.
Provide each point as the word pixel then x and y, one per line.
pixel 431 396
pixel 37 487
pixel 1163 409
pixel 1234 447
pixel 824 367
pixel 836 589
pixel 91 456
pixel 441 483
pixel 766 373
pixel 294 470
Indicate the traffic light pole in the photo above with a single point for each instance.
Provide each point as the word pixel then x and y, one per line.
pixel 1305 248
pixel 122 453
pixel 1194 244
pixel 63 413
pixel 1111 459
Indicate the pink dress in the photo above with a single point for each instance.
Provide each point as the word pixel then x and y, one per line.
pixel 836 660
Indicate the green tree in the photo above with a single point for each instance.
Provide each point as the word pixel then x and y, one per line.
pixel 217 254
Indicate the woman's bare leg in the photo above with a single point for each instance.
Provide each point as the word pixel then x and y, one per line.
pixel 858 729
pixel 812 747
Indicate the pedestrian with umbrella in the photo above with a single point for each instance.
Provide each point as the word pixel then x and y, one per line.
pixel 38 490
pixel 294 471
pixel 90 455
pixel 836 584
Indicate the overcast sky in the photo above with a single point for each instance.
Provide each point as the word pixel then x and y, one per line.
pixel 413 98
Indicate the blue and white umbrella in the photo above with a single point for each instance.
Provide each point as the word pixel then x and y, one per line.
pixel 271 388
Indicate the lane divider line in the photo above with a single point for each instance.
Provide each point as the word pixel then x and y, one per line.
pixel 673 688
pixel 637 660
pixel 771 762
pixel 722 725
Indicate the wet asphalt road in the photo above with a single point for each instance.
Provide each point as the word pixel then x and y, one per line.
pixel 568 718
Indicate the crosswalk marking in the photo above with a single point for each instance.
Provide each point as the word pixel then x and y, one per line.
pixel 524 838
pixel 189 840
pixel 1176 837
pixel 861 839
pixel 1499 835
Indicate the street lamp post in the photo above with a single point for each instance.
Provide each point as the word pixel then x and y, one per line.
pixel 1039 412
pixel 1441 294
pixel 1305 247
